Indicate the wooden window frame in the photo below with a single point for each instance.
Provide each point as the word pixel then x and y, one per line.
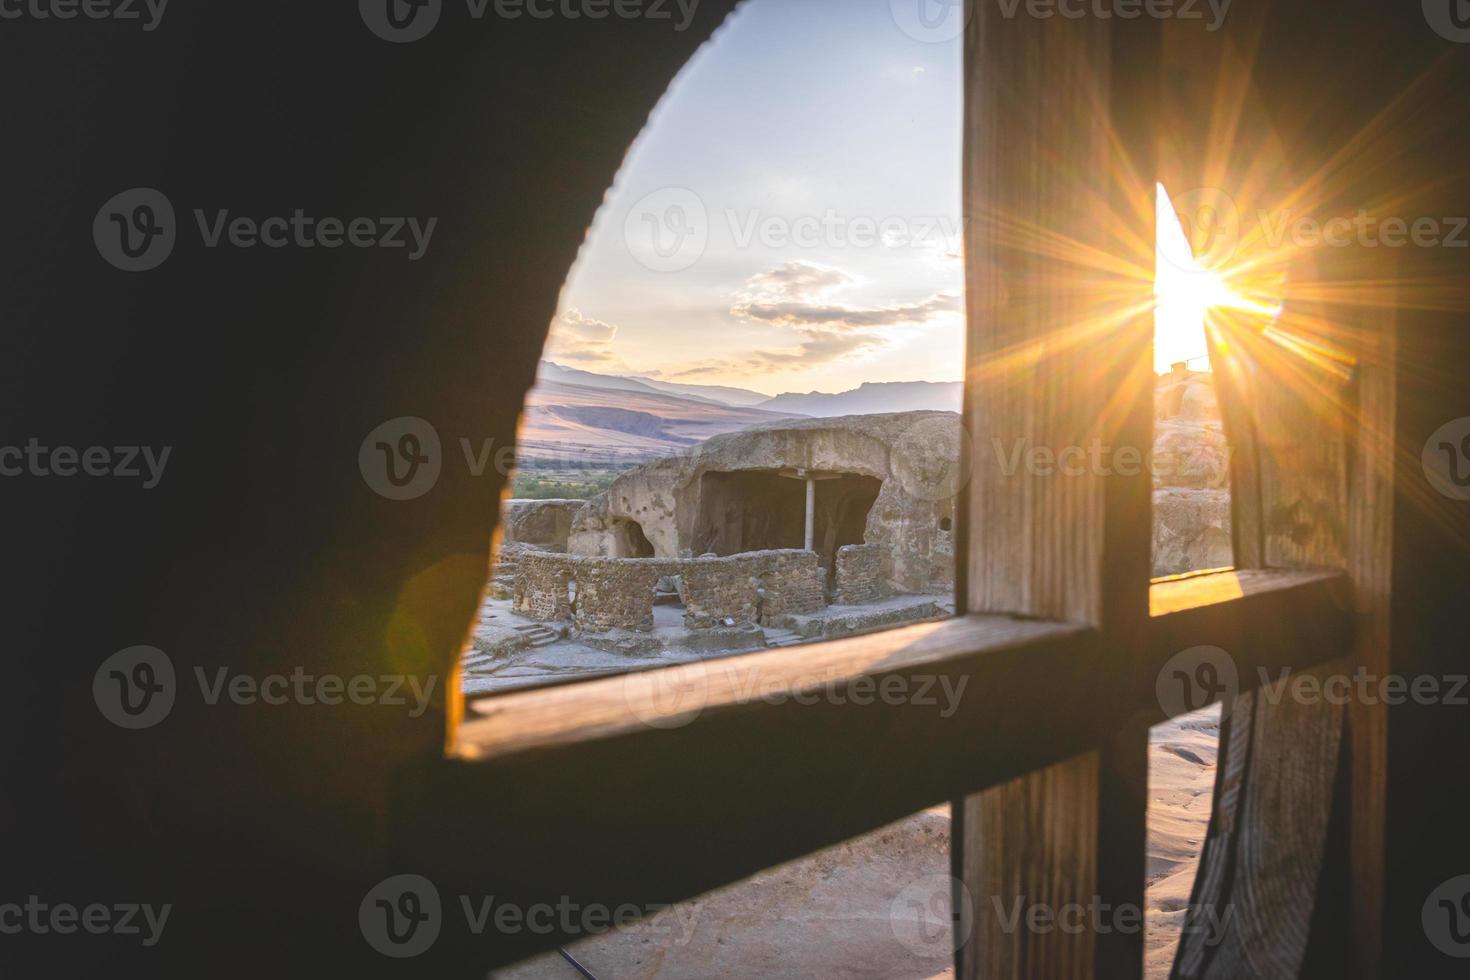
pixel 658 785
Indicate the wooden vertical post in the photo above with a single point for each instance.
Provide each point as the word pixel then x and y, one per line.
pixel 1059 250
pixel 1308 408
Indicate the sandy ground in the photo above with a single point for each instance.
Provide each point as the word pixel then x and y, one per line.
pixel 1181 778
pixel 879 906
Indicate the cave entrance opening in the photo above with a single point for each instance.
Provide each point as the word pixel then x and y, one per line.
pixel 630 540
pixel 760 510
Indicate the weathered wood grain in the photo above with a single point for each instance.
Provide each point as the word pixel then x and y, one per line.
pixel 623 790
pixel 1059 245
pixel 1290 389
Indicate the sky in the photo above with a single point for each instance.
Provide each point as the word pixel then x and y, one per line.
pixel 789 219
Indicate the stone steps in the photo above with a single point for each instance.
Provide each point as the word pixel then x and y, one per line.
pixel 538 635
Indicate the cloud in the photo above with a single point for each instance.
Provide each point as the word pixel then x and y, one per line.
pixel 838 316
pixel 581 339
pixel 797 295
pixel 792 281
pixel 819 348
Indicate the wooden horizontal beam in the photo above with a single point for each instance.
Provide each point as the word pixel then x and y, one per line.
pixel 657 786
pixel 1263 622
pixel 672 697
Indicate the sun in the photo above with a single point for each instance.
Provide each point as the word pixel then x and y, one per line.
pixel 1184 292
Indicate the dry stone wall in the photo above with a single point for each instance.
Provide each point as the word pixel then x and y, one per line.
pixel 793 582
pixel 859 574
pixel 615 594
pixel 600 594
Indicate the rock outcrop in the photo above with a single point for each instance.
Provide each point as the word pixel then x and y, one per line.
pixel 883 480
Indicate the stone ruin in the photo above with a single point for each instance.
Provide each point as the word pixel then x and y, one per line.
pixel 813 484
pixel 786 518
pixel 1191 475
pixel 748 528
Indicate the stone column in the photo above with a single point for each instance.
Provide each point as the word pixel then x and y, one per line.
pixel 811 512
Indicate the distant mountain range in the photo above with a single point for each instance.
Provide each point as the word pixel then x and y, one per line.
pixel 868 399
pixel 738 397
pixel 576 424
pixel 576 414
pixel 871 398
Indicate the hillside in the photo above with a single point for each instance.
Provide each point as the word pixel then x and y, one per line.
pixel 550 371
pixel 739 397
pixel 871 398
pixel 567 422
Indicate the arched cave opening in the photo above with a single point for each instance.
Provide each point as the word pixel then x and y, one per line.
pixel 631 542
pixel 759 510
